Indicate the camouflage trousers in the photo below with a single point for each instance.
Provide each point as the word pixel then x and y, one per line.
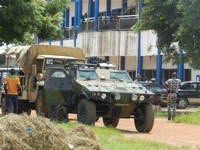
pixel 171 103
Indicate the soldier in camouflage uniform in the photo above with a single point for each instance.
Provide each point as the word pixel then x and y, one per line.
pixel 172 86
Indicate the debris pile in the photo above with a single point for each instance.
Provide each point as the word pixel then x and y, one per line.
pixel 36 132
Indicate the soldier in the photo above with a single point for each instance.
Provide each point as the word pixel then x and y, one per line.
pixel 172 86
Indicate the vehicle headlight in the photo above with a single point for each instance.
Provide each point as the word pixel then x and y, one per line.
pixel 164 95
pixel 141 97
pixel 134 97
pixel 117 96
pixel 103 96
pixel 152 96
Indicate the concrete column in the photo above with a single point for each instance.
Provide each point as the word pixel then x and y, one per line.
pixel 180 66
pixel 62 27
pixel 67 17
pixel 124 6
pixel 108 7
pixel 159 68
pixel 123 58
pixel 75 21
pixel 61 42
pixel 79 15
pixel 38 41
pixel 96 15
pixel 90 9
pixel 139 58
pixel 50 41
pixel 63 22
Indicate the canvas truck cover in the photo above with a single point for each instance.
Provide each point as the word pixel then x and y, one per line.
pixel 26 55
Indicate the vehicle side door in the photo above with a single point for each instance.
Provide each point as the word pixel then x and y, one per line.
pixel 57 86
pixel 192 92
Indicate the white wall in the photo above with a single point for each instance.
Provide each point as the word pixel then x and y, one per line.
pixel 194 75
pixel 148 43
pixel 111 43
pixel 120 43
pixel 130 63
pixel 149 62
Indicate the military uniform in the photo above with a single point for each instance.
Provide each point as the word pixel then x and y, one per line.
pixel 173 85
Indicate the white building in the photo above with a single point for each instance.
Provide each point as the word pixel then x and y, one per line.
pixel 114 40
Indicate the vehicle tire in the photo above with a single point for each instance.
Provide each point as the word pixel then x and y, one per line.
pixel 86 112
pixel 40 106
pixel 3 105
pixel 23 107
pixel 182 103
pixel 58 113
pixel 144 119
pixel 110 122
pixel 46 109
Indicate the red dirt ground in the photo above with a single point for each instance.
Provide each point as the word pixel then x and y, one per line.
pixel 175 134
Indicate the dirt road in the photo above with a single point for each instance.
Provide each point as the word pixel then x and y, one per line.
pixel 165 131
pixel 176 134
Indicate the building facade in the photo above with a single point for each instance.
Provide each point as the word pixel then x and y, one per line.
pixel 102 28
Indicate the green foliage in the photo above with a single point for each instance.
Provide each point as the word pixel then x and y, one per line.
pixel 22 20
pixel 189 32
pixel 173 21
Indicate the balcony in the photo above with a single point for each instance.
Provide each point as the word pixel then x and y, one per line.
pixel 122 23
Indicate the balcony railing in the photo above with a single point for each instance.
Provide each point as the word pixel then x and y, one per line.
pixel 124 22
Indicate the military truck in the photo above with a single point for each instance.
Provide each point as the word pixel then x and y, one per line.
pixel 34 60
pixel 92 92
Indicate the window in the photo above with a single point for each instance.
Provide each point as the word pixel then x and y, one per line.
pixel 87 75
pixel 132 74
pixel 120 75
pixel 148 74
pixel 58 74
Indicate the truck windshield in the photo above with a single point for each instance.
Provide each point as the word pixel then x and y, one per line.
pixel 59 63
pixel 117 76
pixel 87 75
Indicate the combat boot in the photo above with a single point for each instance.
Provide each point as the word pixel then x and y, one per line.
pixel 169 116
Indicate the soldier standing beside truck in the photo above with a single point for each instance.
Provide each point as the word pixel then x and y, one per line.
pixel 12 87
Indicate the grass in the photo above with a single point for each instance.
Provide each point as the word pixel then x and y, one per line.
pixel 113 139
pixel 184 117
pixel 189 118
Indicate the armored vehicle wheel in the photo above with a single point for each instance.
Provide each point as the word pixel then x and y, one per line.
pixel 3 105
pixel 41 107
pixel 144 119
pixel 23 107
pixel 86 112
pixel 112 122
pixel 46 110
pixel 58 113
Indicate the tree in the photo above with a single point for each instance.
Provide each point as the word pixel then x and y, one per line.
pixel 21 20
pixel 173 21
